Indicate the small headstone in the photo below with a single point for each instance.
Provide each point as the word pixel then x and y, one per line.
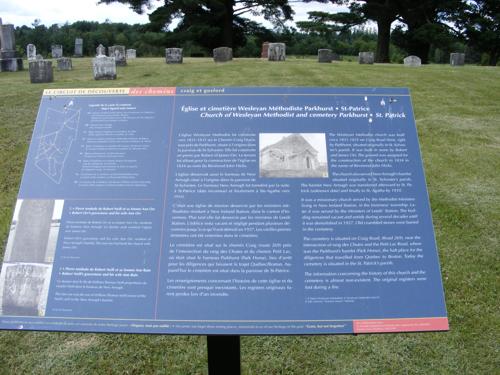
pixel 104 67
pixel 9 62
pixel 412 61
pixel 264 53
pixel 39 57
pixel 100 50
pixel 78 47
pixel 457 59
pixel 131 54
pixel 325 55
pixel 118 52
pixel 366 58
pixel 276 52
pixel 223 54
pixel 64 63
pixel 31 52
pixel 57 51
pixel 173 55
pixel 41 71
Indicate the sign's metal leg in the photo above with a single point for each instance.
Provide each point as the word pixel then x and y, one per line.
pixel 223 355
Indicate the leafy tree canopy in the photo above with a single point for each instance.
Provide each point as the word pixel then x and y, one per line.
pixel 211 22
pixel 325 23
pixel 479 22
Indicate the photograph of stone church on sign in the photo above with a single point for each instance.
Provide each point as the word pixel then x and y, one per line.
pixel 293 155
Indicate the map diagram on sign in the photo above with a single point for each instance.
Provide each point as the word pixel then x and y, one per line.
pixel 59 130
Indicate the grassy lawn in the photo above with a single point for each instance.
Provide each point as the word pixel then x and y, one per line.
pixel 457 113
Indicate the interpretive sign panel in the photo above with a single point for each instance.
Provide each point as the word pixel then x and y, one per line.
pixel 267 210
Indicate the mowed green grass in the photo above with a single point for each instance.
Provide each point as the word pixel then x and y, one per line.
pixel 457 112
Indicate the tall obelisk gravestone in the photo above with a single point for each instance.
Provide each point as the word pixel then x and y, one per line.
pixel 8 60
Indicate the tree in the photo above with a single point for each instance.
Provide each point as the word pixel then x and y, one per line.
pixel 220 17
pixel 383 12
pixel 426 24
pixel 199 26
pixel 479 22
pixel 326 24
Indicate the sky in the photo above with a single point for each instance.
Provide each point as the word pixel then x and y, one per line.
pixel 24 12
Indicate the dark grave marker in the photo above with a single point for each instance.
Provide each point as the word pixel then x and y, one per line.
pixel 64 63
pixel 457 59
pixel 412 61
pixel 41 71
pixel 173 55
pixel 366 58
pixel 78 47
pixel 31 52
pixel 223 54
pixel 57 51
pixel 325 56
pixel 276 52
pixel 119 54
pixel 104 68
pixel 265 50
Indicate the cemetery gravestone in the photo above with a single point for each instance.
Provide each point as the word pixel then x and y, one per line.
pixel 39 57
pixel 41 71
pixel 118 52
pixel 265 50
pixel 131 54
pixel 366 58
pixel 325 55
pixel 78 47
pixel 57 51
pixel 31 52
pixel 100 50
pixel 223 54
pixel 9 62
pixel 64 63
pixel 457 59
pixel 412 61
pixel 104 67
pixel 276 52
pixel 173 55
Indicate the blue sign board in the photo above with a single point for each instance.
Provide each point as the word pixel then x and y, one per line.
pixel 209 210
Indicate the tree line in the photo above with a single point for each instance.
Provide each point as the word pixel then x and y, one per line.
pixel 429 29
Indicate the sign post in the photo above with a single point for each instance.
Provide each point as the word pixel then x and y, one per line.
pixel 223 355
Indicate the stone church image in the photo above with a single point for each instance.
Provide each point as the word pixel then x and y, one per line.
pixel 292 156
